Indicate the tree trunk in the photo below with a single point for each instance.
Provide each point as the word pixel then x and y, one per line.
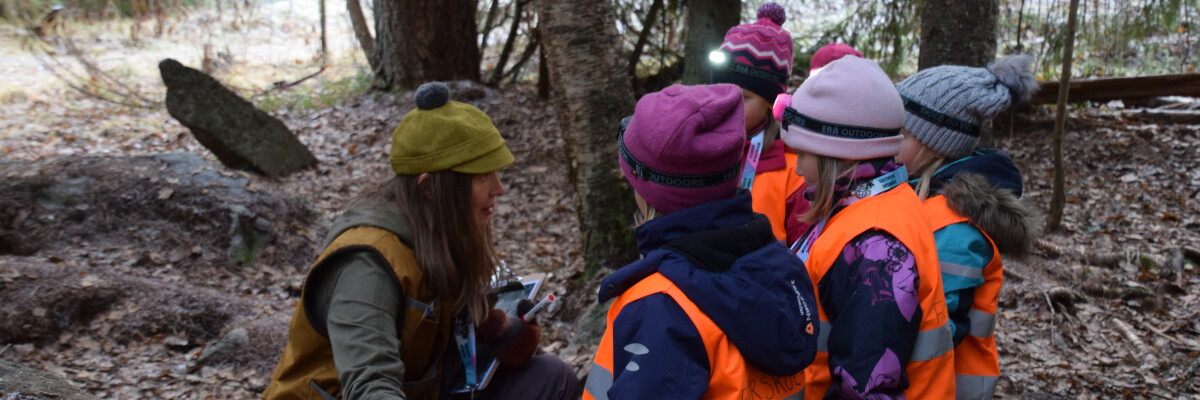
pixel 707 21
pixel 362 32
pixel 643 37
pixel 543 82
pixel 1058 197
pixel 506 51
pixel 535 43
pixel 324 41
pixel 488 25
pixel 417 41
pixel 592 90
pixel 958 32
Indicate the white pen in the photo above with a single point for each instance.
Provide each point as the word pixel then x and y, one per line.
pixel 550 298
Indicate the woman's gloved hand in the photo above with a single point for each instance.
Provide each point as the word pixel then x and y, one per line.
pixel 513 339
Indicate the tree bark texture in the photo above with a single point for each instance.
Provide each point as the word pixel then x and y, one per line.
pixel 958 32
pixel 362 32
pixel 417 41
pixel 1058 197
pixel 707 21
pixel 590 85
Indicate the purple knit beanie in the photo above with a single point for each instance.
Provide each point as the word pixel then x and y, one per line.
pixel 830 53
pixel 850 110
pixel 756 56
pixel 683 146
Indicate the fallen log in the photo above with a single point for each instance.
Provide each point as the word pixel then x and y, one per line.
pixel 1146 116
pixel 1106 89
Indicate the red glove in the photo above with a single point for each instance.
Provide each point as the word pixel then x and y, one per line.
pixel 514 340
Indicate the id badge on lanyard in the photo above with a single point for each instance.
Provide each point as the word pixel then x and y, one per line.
pixel 750 167
pixel 803 247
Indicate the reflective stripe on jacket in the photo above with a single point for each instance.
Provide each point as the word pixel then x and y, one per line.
pixel 976 360
pixel 730 376
pixel 897 212
pixel 306 369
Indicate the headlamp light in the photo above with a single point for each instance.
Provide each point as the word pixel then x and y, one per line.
pixel 717 57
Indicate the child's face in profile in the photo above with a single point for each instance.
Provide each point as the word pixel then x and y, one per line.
pixel 806 166
pixel 913 154
pixel 757 109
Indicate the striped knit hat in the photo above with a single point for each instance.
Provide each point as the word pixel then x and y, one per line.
pixel 945 105
pixel 756 56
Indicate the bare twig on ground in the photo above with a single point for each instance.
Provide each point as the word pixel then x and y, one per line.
pixel 1130 335
pixel 283 85
pixel 1010 274
pixel 1161 332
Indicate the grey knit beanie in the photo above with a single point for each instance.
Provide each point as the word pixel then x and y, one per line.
pixel 945 105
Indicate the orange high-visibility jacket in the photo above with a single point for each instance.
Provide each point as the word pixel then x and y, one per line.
pixel 976 361
pixel 899 213
pixel 730 376
pixel 773 188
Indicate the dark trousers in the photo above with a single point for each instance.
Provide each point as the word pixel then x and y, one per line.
pixel 545 377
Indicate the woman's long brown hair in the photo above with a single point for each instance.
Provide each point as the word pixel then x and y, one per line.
pixel 453 250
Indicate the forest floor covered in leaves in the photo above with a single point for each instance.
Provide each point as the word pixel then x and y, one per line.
pixel 134 265
pixel 1106 308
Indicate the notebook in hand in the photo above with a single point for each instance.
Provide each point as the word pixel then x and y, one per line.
pixel 479 364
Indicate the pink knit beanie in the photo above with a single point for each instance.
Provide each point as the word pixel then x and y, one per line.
pixel 683 146
pixel 830 53
pixel 850 110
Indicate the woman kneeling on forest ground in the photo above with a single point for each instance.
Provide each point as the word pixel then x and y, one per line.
pixel 972 197
pixel 406 262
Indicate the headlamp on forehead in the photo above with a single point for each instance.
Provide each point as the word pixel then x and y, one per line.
pixel 718 57
pixel 783 112
pixel 645 173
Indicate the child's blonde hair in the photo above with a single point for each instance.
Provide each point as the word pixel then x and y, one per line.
pixel 829 170
pixel 925 172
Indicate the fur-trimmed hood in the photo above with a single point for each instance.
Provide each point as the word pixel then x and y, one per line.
pixel 1010 222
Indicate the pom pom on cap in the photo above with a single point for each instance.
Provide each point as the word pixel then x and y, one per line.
pixel 432 95
pixel 774 12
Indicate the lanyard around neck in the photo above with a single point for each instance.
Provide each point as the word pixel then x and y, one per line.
pixel 803 247
pixel 750 167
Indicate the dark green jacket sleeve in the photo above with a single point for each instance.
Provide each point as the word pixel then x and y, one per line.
pixel 361 303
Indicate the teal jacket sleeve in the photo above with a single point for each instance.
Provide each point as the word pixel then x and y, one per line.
pixel 963 252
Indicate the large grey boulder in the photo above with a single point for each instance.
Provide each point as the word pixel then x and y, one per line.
pixel 240 135
pixel 20 382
